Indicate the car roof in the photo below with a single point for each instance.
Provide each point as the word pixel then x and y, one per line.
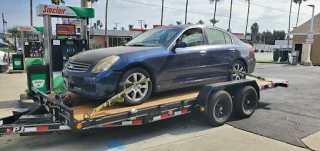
pixel 190 26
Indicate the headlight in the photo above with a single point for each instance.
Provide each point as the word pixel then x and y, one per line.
pixel 105 64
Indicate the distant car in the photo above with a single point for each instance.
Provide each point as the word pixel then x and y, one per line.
pixel 19 51
pixel 2 56
pixel 173 57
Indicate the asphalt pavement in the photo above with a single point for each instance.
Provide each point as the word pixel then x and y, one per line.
pixel 286 114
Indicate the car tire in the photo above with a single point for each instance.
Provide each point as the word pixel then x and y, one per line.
pixel 245 102
pixel 238 66
pixel 219 108
pixel 139 94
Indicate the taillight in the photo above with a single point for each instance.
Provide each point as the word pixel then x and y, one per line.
pixel 251 49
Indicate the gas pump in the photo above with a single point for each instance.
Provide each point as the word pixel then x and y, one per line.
pixel 32 49
pixel 58 51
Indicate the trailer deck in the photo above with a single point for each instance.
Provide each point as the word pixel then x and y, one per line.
pixel 85 105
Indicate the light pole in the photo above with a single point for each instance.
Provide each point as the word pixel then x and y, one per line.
pixel 308 61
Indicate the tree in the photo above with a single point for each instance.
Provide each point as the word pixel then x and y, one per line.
pixel 200 22
pixel 279 35
pixel 106 39
pixel 229 29
pixel 130 26
pixel 189 23
pixel 122 28
pixel 178 22
pixel 245 35
pixel 14 33
pixel 123 41
pixel 145 25
pixel 114 28
pixel 215 8
pixel 299 3
pixel 213 21
pixel 57 2
pixel 95 25
pixel 91 2
pixel 99 24
pixel 254 32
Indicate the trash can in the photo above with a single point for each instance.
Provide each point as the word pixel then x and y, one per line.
pixel 276 54
pixel 17 62
pixel 294 58
pixel 3 67
pixel 38 77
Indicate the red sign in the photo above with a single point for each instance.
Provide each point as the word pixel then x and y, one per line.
pixel 25 28
pixel 65 30
pixel 56 10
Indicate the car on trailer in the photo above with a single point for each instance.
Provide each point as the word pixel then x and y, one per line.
pixel 62 112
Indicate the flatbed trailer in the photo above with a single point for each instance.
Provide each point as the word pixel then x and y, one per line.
pixel 215 101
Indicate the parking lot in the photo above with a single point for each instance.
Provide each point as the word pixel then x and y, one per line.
pixel 285 116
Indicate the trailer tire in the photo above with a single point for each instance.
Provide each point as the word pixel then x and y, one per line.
pixel 219 108
pixel 245 102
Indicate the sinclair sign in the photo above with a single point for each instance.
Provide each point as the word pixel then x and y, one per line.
pixel 30 28
pixel 68 11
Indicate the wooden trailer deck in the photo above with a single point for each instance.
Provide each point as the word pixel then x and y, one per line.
pixel 86 105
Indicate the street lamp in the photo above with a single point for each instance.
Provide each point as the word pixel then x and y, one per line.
pixel 308 61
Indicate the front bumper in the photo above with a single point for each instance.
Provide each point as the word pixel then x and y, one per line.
pixel 91 85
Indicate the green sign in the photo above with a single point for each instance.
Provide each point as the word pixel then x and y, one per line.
pixel 58 81
pixel 31 61
pixel 38 81
pixel 17 63
pixel 68 11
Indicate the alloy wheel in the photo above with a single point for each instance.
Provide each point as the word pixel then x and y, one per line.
pixel 137 92
pixel 238 76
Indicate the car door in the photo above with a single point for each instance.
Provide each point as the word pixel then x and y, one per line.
pixel 221 52
pixel 184 65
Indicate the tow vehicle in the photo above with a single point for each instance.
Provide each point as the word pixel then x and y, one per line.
pixel 62 112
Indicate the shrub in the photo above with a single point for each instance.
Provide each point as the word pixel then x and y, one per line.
pixel 256 50
pixel 262 51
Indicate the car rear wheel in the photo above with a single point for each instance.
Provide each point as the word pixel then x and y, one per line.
pixel 239 67
pixel 138 94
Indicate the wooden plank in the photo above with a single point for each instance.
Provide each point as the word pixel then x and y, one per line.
pixel 85 105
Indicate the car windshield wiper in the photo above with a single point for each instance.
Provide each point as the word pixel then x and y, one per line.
pixel 136 44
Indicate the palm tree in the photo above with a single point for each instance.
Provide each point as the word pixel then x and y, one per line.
pixel 200 22
pixel 299 3
pixel 145 25
pixel 162 12
pixel 189 23
pixel 14 33
pixel 230 16
pixel 106 40
pixel 122 28
pixel 130 26
pixel 254 32
pixel 213 21
pixel 186 13
pixel 91 2
pixel 215 8
pixel 95 25
pixel 31 17
pixel 57 2
pixel 178 22
pixel 288 37
pixel 99 24
pixel 245 34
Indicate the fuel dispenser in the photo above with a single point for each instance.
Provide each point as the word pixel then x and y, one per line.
pixel 33 52
pixel 62 50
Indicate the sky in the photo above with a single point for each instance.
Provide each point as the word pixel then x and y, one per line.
pixel 269 15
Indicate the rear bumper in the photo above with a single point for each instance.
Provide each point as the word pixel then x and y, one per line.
pixel 91 85
pixel 251 65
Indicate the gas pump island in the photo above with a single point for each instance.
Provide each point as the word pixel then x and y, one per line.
pixel 57 52
pixel 32 49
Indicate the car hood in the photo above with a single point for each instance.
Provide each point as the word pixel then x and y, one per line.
pixel 93 56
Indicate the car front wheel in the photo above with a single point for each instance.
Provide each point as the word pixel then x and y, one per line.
pixel 138 94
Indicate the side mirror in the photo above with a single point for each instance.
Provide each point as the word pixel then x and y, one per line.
pixel 181 44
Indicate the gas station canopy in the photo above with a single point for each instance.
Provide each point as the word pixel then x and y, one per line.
pixel 66 11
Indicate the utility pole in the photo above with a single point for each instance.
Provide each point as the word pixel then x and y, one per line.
pixel 186 13
pixel 31 12
pixel 116 25
pixel 141 22
pixel 161 13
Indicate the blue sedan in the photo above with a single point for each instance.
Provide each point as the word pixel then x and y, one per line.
pixel 172 57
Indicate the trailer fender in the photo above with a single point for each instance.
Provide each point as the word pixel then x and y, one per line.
pixel 231 87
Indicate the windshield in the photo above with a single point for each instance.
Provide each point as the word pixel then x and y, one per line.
pixel 154 37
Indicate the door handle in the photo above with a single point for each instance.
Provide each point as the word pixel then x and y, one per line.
pixel 203 52
pixel 232 50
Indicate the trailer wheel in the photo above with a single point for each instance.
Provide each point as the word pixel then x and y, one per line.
pixel 245 102
pixel 219 108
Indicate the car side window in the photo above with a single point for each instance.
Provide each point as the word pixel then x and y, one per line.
pixel 215 37
pixel 228 38
pixel 192 37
